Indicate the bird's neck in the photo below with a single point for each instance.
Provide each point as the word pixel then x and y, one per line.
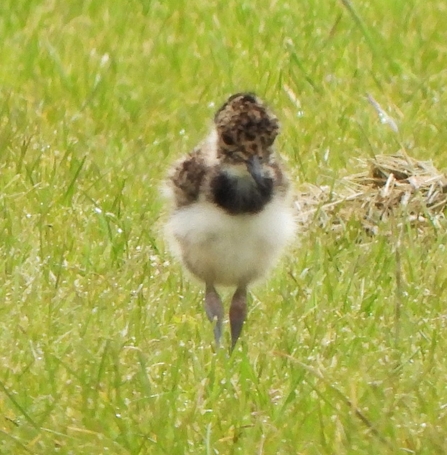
pixel 240 193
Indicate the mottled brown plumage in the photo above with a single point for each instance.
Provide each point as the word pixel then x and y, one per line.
pixel 187 178
pixel 231 216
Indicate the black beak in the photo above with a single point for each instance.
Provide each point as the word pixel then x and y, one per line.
pixel 254 167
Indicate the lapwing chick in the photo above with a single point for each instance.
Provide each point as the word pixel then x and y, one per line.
pixel 231 217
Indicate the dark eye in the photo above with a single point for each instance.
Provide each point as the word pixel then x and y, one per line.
pixel 269 140
pixel 227 139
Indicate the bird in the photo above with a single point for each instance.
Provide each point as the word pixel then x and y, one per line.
pixel 231 216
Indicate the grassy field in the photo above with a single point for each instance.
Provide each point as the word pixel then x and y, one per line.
pixel 104 345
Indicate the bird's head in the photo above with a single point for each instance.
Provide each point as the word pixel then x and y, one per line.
pixel 246 131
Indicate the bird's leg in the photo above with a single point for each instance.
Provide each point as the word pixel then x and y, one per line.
pixel 238 312
pixel 214 310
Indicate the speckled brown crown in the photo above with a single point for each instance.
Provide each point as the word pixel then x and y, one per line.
pixel 243 119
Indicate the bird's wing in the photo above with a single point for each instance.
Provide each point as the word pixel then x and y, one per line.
pixel 186 178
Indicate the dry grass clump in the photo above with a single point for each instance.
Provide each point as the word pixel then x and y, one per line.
pixel 389 185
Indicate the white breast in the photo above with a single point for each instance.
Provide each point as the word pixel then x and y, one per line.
pixel 230 250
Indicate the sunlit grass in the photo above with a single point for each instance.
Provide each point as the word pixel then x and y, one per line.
pixel 104 347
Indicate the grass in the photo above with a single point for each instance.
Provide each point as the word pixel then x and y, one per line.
pixel 104 347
